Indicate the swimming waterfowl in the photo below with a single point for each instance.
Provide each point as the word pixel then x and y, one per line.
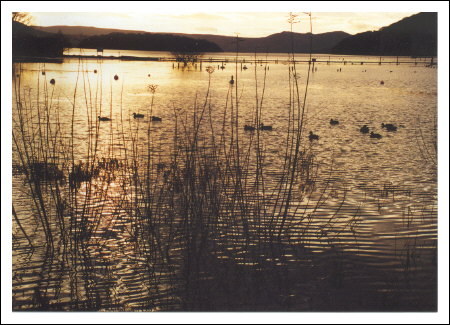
pixel 156 119
pixel 375 135
pixel 389 127
pixel 137 115
pixel 334 122
pixel 364 129
pixel 265 127
pixel 102 118
pixel 249 128
pixel 313 136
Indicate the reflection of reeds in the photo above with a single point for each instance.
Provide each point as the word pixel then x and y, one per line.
pixel 427 147
pixel 209 195
pixel 210 198
pixel 209 213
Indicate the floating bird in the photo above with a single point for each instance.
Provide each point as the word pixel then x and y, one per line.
pixel 102 118
pixel 313 136
pixel 137 115
pixel 375 135
pixel 231 81
pixel 244 67
pixel 364 129
pixel 249 128
pixel 389 127
pixel 265 127
pixel 116 77
pixel 156 119
pixel 334 122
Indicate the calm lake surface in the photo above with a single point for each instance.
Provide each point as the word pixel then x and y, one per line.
pixel 364 238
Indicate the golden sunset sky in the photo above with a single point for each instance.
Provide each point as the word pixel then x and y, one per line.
pixel 247 24
pixel 248 18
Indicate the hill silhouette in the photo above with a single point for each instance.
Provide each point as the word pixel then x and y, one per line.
pixel 84 31
pixel 149 42
pixel 278 43
pixel 412 36
pixel 27 41
pixel 275 43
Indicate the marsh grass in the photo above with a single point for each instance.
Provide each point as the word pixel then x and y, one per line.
pixel 209 199
pixel 206 226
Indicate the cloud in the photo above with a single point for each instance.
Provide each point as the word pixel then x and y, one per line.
pixel 207 29
pixel 363 27
pixel 248 24
pixel 201 16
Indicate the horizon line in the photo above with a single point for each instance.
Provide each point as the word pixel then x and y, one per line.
pixel 143 31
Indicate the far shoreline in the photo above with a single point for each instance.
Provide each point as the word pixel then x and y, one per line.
pixel 324 58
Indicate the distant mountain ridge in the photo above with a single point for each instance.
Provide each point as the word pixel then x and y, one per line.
pixel 275 43
pixel 412 36
pixel 84 30
pixel 29 42
pixel 149 42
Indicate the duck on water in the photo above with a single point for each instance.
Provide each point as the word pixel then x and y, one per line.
pixel 137 115
pixel 265 127
pixel 375 135
pixel 313 136
pixel 389 127
pixel 364 129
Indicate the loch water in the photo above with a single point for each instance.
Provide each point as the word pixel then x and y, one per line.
pixel 361 229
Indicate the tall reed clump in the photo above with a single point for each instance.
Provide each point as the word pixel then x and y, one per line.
pixel 64 181
pixel 205 227
pixel 235 219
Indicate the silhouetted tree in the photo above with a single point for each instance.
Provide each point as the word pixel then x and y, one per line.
pixel 187 57
pixel 22 17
